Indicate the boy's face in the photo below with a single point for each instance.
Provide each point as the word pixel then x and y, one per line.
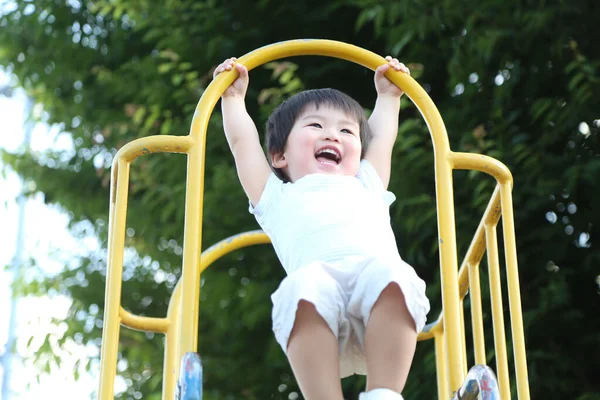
pixel 323 140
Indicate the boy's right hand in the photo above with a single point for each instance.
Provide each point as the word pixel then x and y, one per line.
pixel 240 85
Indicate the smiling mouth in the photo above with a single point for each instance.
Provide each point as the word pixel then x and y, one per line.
pixel 328 155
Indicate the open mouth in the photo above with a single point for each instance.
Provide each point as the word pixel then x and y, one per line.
pixel 328 155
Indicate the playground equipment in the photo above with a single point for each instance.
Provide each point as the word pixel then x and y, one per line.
pixel 180 325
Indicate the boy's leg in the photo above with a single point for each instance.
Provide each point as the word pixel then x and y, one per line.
pixel 314 355
pixel 390 341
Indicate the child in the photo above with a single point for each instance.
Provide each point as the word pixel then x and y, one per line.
pixel 349 304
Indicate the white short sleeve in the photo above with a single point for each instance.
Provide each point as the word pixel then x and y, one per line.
pixel 273 189
pixel 371 180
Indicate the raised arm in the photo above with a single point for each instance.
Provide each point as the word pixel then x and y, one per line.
pixel 250 161
pixel 384 120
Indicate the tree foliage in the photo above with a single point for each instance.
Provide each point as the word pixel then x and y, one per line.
pixel 516 80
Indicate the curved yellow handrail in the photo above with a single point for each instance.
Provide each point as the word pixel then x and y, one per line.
pixel 443 171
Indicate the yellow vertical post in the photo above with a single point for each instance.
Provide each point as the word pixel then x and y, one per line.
pixel 497 312
pixel 440 366
pixel 117 216
pixel 190 275
pixel 171 358
pixel 463 336
pixel 194 201
pixel 449 269
pixel 476 313
pixel 514 293
pixel 190 294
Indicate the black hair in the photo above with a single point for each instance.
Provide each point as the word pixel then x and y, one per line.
pixel 281 121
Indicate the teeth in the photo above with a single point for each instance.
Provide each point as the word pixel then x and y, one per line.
pixel 330 151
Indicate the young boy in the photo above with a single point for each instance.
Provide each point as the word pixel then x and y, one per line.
pixel 349 304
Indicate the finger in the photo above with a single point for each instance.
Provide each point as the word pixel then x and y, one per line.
pixel 388 58
pixel 243 71
pixel 226 65
pixel 382 69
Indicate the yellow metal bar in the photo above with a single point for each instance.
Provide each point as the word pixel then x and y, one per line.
pixel 463 335
pixel 491 216
pixel 190 274
pixel 449 269
pixel 144 324
pixel 154 144
pixel 441 366
pixel 476 314
pixel 480 162
pixel 116 234
pixel 514 294
pixel 328 48
pixel 431 329
pixel 497 312
pixel 232 243
pixel 171 360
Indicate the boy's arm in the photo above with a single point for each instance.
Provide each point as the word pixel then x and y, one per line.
pixel 384 128
pixel 384 121
pixel 241 133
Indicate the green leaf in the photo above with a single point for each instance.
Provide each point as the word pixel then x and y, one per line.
pixel 139 115
pixel 165 67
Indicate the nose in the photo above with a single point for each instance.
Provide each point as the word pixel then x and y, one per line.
pixel 332 135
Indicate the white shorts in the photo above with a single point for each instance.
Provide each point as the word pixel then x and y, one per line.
pixel 344 293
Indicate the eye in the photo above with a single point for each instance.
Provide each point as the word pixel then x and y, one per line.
pixel 315 125
pixel 348 131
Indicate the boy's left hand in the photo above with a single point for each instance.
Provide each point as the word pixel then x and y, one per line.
pixel 382 84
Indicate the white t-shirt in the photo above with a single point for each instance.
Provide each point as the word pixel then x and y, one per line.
pixel 327 218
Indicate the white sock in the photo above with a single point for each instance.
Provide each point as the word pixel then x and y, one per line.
pixel 380 394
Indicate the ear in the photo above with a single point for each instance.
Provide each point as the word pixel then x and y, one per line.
pixel 278 160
